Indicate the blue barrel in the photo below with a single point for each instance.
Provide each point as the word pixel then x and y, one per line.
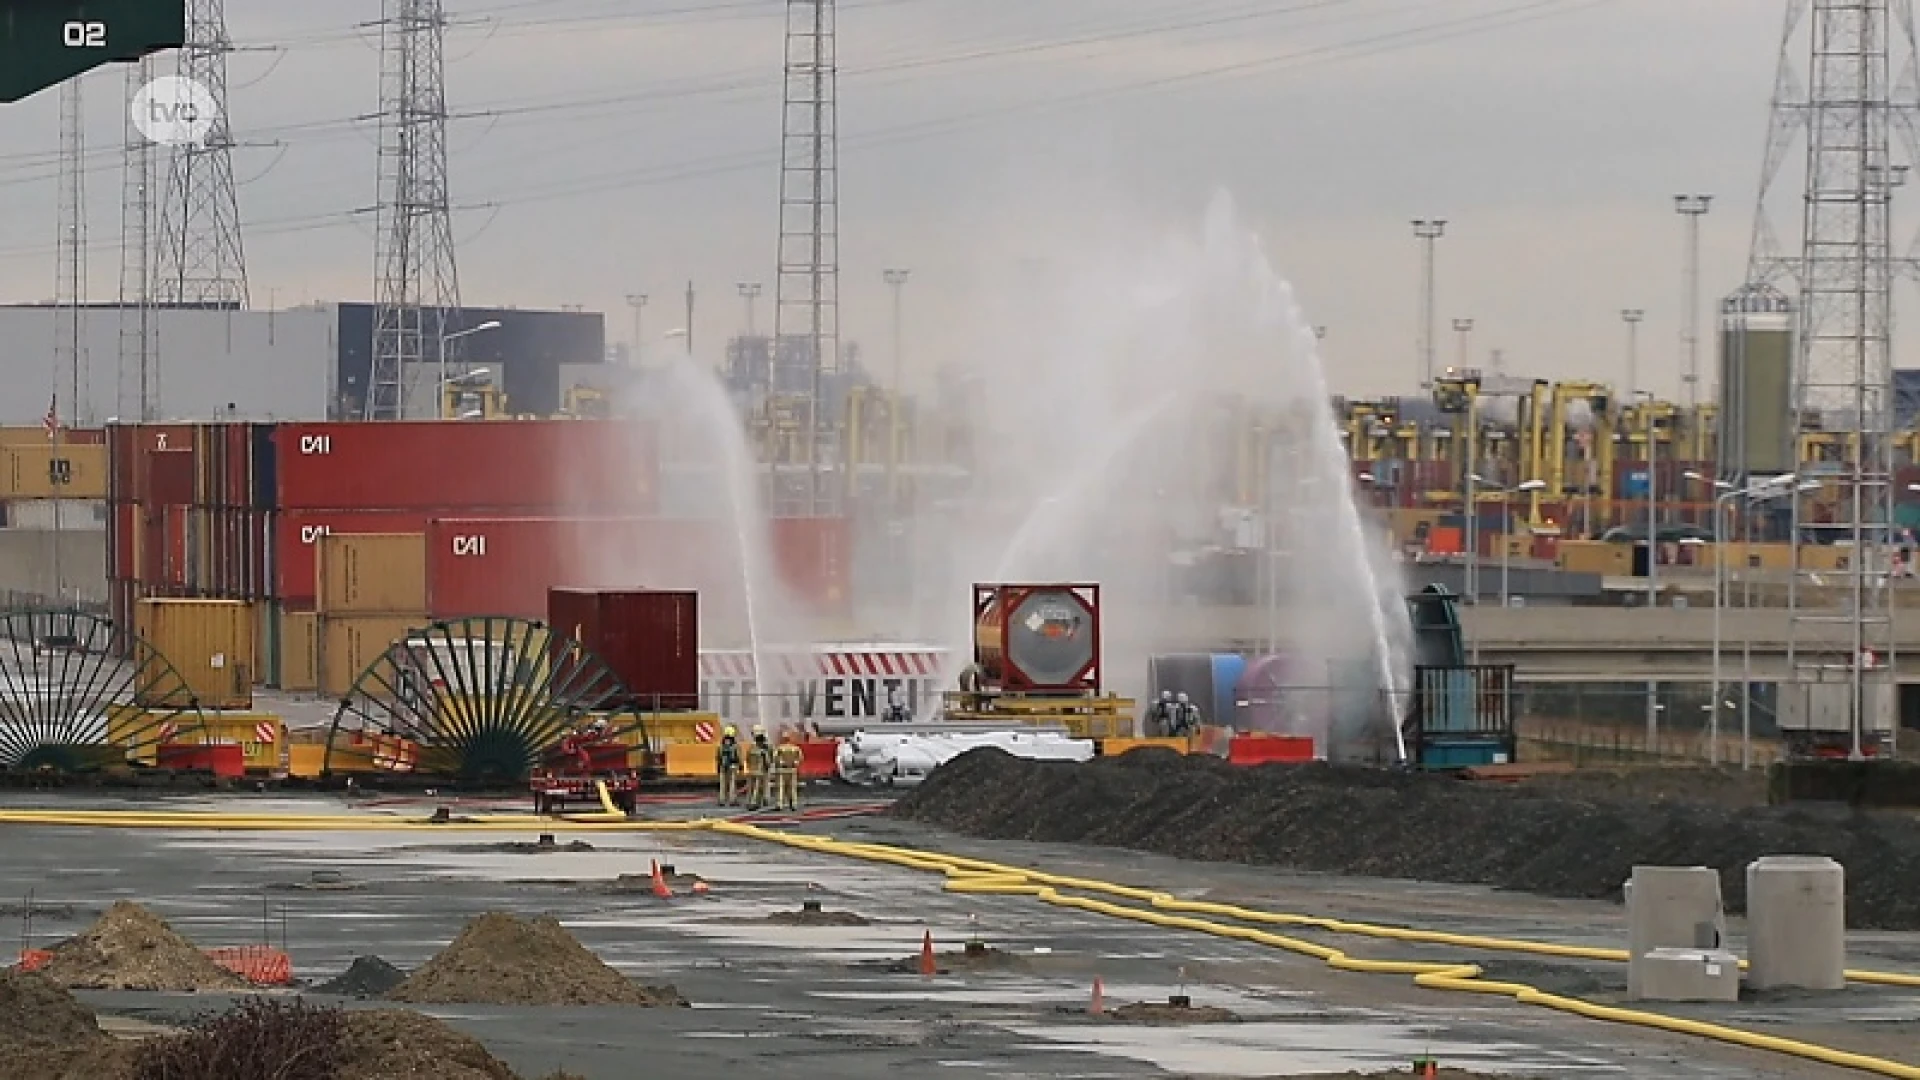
pixel 1227 670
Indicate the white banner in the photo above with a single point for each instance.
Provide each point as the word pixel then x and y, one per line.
pixel 826 683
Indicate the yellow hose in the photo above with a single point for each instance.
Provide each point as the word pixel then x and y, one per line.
pixel 967 875
pixel 978 876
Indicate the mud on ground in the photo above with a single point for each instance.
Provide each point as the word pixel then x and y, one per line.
pixel 1166 1014
pixel 984 959
pixel 822 917
pixel 1554 836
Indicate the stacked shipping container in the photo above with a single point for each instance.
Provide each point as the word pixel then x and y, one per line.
pixel 463 519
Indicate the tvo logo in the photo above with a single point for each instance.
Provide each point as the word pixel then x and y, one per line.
pixel 465 546
pixel 174 111
pixel 311 534
pixel 316 444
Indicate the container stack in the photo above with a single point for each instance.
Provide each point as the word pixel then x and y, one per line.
pixel 462 520
pixel 370 590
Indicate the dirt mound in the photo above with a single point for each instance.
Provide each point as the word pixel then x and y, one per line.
pixel 1162 1013
pixel 1554 837
pixel 502 960
pixel 47 1035
pixel 130 948
pixel 369 976
pixel 389 1044
pixel 34 1010
pixel 818 917
pixel 1719 787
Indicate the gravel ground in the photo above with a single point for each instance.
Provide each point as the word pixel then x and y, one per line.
pixel 1561 836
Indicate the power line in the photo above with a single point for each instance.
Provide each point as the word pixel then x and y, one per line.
pixel 716 165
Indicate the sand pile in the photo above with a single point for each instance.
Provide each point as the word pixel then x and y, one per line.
pixel 394 1045
pixel 47 1035
pixel 1557 837
pixel 368 976
pixel 130 948
pixel 502 960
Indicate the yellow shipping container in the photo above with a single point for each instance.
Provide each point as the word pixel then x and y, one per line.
pixel 348 645
pixel 299 651
pixel 46 471
pixel 1595 557
pixel 209 642
pixel 677 726
pixel 372 573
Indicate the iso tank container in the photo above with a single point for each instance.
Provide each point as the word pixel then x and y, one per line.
pixel 1038 638
pixel 294 561
pixel 505 566
pixel 599 466
pixel 649 639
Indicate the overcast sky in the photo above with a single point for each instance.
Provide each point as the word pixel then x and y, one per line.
pixel 1551 134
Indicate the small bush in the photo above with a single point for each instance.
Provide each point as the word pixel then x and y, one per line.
pixel 258 1039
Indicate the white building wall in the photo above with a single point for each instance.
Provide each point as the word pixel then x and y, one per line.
pixel 242 365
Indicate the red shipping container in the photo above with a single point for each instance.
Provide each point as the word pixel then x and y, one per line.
pixel 295 533
pixel 592 466
pixel 123 520
pixel 650 640
pixel 175 547
pixel 127 451
pixel 238 487
pixel 168 478
pixel 504 566
pixel 814 557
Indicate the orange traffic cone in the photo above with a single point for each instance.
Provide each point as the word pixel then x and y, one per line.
pixel 1098 1006
pixel 1431 1071
pixel 660 883
pixel 927 966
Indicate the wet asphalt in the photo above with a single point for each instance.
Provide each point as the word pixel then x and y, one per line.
pixel 800 1002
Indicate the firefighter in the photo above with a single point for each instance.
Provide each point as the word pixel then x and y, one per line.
pixel 759 768
pixel 1186 717
pixel 1160 716
pixel 726 762
pixel 896 709
pixel 786 773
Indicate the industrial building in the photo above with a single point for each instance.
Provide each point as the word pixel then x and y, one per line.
pixel 303 363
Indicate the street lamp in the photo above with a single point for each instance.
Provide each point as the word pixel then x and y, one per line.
pixel 1770 488
pixel 490 324
pixel 1506 526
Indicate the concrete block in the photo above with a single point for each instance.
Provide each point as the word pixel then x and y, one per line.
pixel 1796 923
pixel 1672 907
pixel 1688 975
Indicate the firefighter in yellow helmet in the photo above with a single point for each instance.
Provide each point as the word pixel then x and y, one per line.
pixel 759 769
pixel 726 762
pixel 786 773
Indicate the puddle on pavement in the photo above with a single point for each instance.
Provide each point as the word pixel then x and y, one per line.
pixel 1257 1049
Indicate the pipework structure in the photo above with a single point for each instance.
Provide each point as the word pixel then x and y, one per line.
pixel 1839 693
pixel 70 263
pixel 416 282
pixel 806 331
